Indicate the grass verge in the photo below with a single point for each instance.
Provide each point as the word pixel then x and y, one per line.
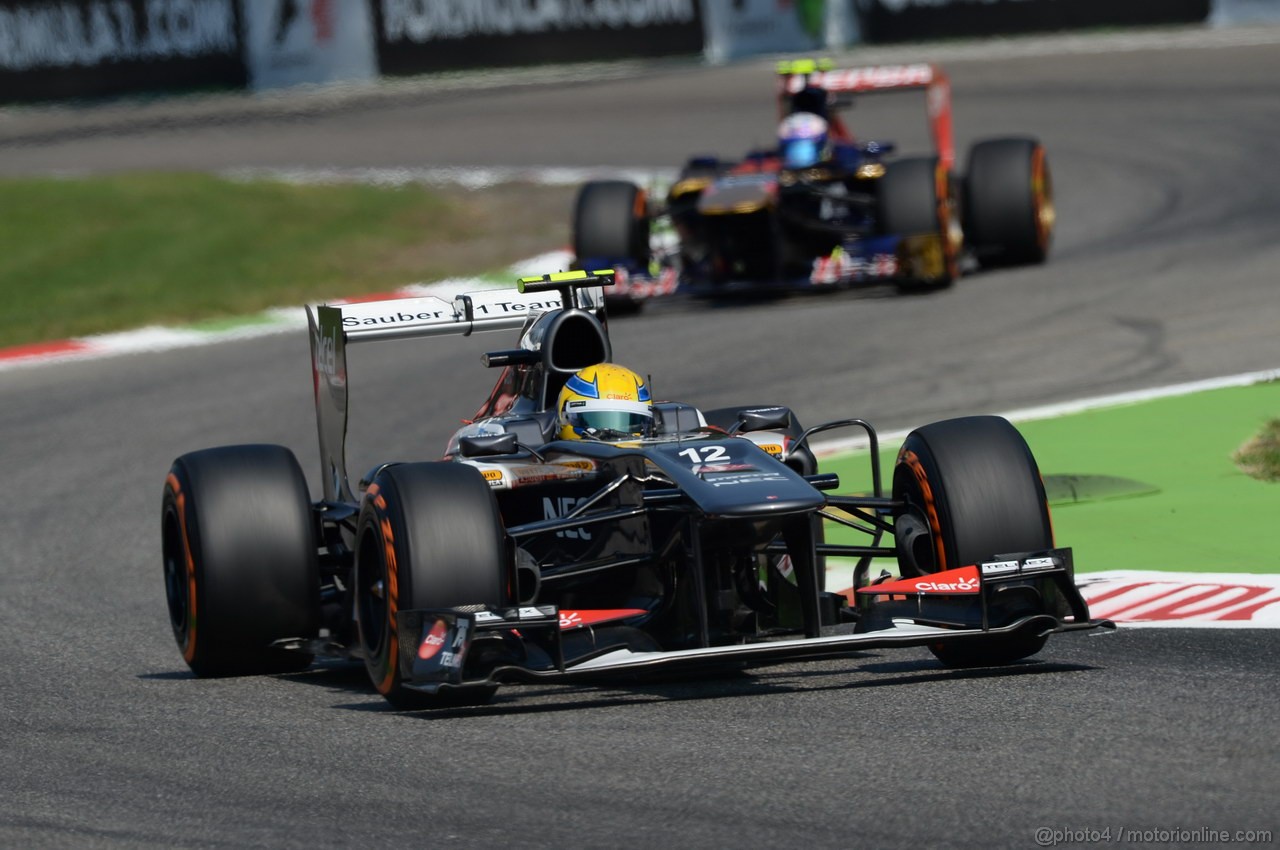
pixel 1196 512
pixel 93 255
pixel 1260 457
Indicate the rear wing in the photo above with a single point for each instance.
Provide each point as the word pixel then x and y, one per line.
pixel 333 327
pixel 797 75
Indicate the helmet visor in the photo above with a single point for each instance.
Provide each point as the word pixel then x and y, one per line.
pixel 800 153
pixel 610 419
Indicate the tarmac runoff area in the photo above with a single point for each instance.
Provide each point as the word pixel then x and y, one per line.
pixel 1164 528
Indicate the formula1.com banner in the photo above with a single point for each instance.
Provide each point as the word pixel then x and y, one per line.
pixel 93 48
pixel 918 20
pixel 414 36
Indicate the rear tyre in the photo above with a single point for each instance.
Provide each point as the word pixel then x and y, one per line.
pixel 429 536
pixel 972 490
pixel 917 199
pixel 1008 202
pixel 240 559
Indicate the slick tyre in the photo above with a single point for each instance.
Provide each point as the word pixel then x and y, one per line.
pixel 1008 202
pixel 917 198
pixel 240 559
pixel 972 490
pixel 429 536
pixel 610 222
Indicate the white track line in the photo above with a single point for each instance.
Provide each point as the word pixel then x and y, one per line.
pixel 826 448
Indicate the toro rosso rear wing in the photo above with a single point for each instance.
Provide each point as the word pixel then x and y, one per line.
pixel 332 327
pixel 796 75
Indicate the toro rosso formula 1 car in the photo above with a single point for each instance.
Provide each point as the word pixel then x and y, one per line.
pixel 824 209
pixel 522 556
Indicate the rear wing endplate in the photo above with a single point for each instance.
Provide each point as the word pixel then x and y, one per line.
pixel 794 75
pixel 333 326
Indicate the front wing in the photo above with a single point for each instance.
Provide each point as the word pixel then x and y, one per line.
pixel 434 644
pixel 460 627
pixel 874 260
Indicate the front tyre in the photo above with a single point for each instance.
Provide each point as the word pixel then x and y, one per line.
pixel 972 490
pixel 611 222
pixel 240 559
pixel 1008 202
pixel 429 536
pixel 917 202
pixel 611 226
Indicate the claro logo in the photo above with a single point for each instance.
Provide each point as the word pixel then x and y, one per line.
pixel 963 585
pixel 433 641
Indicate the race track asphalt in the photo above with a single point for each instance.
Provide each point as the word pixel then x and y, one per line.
pixel 1163 272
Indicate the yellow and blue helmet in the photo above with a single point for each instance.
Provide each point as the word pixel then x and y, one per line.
pixel 605 402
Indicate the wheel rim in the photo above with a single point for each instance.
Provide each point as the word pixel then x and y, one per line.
pixel 176 579
pixel 371 598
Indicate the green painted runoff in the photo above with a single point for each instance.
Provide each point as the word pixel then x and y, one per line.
pixel 1197 511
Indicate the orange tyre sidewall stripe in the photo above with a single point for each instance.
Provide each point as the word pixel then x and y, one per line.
pixel 930 507
pixel 942 191
pixel 189 633
pixel 392 590
pixel 1053 537
pixel 1041 192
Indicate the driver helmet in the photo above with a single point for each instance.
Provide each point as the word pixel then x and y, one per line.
pixel 605 402
pixel 802 140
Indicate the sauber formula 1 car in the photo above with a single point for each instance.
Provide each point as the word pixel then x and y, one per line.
pixel 824 209
pixel 522 557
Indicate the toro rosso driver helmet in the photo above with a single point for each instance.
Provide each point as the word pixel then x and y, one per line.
pixel 605 402
pixel 802 140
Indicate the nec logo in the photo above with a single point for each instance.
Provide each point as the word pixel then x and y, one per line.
pixel 563 506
